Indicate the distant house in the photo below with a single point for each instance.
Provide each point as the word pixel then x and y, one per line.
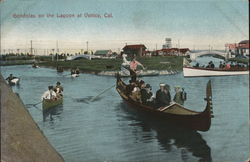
pixel 243 48
pixel 238 49
pixel 103 53
pixel 135 50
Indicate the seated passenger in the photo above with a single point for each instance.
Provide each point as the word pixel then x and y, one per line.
pixel 77 71
pixel 146 94
pixel 221 65
pixel 180 95
pixel 10 78
pixel 228 66
pixel 136 94
pixel 49 94
pixel 58 88
pixel 197 65
pixel 130 87
pixel 163 97
pixel 212 65
pixel 72 71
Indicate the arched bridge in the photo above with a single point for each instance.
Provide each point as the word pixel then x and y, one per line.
pixel 86 56
pixel 194 55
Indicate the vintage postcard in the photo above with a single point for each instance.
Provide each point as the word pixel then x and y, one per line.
pixel 124 80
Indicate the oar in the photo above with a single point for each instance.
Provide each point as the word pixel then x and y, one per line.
pixel 66 75
pixel 34 104
pixel 92 99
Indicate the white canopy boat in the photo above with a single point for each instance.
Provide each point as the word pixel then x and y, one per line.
pixel 189 71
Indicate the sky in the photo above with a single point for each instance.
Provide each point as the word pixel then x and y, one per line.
pixel 195 24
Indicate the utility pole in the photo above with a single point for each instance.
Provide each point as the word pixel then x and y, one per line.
pixel 57 50
pixel 31 49
pixel 87 43
pixel 178 46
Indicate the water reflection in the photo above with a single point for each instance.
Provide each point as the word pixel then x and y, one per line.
pixel 187 141
pixel 49 113
pixel 87 99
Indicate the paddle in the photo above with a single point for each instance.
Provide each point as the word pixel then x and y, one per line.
pixel 34 104
pixel 92 99
pixel 66 75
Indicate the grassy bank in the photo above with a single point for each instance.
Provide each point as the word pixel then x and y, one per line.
pixel 98 65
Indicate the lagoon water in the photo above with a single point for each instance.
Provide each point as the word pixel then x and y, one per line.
pixel 108 130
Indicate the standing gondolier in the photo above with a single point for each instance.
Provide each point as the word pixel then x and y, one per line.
pixel 133 67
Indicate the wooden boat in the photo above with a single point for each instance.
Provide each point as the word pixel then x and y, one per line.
pixel 49 103
pixel 74 75
pixel 175 113
pixel 14 81
pixel 189 71
pixel 35 66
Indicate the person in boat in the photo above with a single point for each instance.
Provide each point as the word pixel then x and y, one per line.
pixel 77 71
pixel 34 65
pixel 228 66
pixel 10 77
pixel 133 67
pixel 221 65
pixel 58 89
pixel 209 65
pixel 72 71
pixel 49 94
pixel 130 87
pixel 146 94
pixel 163 97
pixel 136 94
pixel 224 65
pixel 212 64
pixel 141 84
pixel 180 95
pixel 197 65
pixel 231 64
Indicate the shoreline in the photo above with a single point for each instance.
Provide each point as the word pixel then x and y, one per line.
pixel 21 137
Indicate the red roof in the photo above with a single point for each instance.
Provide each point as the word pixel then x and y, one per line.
pixel 135 46
pixel 244 45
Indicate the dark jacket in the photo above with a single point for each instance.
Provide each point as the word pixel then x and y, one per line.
pixel 129 89
pixel 145 95
pixel 162 98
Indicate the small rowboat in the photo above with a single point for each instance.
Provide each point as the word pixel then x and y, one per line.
pixel 15 81
pixel 50 103
pixel 74 75
pixel 175 113
pixel 35 66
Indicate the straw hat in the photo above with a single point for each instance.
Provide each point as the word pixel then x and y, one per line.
pixel 162 85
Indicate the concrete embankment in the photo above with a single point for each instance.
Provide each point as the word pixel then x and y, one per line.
pixel 21 138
